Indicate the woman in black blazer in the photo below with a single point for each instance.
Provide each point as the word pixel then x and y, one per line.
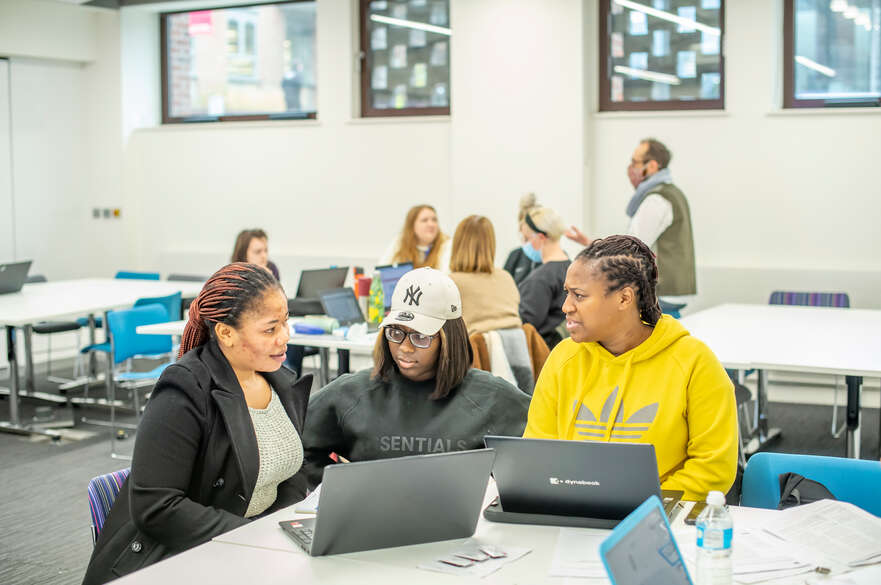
pixel 201 456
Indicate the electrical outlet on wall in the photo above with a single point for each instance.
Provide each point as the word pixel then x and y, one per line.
pixel 96 213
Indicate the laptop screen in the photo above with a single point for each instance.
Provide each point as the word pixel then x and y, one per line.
pixel 646 554
pixel 314 281
pixel 341 304
pixel 390 276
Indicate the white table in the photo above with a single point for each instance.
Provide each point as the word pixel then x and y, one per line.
pixel 65 299
pixel 323 342
pixel 261 553
pixel 822 340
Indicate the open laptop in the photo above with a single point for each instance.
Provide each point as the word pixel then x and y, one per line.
pixel 390 274
pixel 642 551
pixel 13 275
pixel 311 283
pixel 572 483
pixel 395 502
pixel 341 304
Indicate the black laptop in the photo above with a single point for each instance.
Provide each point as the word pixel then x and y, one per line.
pixel 572 483
pixel 395 502
pixel 13 275
pixel 311 283
pixel 341 304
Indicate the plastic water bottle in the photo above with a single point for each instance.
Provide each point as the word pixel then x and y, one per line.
pixel 714 535
pixel 376 301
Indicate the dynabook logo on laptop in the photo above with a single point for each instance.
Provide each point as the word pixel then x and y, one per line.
pixel 582 482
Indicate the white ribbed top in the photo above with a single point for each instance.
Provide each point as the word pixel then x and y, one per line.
pixel 280 449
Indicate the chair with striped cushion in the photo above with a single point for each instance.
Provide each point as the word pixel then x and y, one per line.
pixel 816 299
pixel 810 299
pixel 102 493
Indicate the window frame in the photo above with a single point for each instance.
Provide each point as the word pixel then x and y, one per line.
pixel 367 111
pixel 789 99
pixel 163 42
pixel 605 82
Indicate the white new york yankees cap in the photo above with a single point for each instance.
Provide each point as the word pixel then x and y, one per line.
pixel 424 299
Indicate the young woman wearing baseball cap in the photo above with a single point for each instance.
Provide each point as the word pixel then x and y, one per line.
pixel 422 396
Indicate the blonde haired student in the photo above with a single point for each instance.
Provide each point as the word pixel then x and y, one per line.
pixel 420 242
pixel 541 293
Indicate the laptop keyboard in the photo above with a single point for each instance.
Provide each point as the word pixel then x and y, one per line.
pixel 301 534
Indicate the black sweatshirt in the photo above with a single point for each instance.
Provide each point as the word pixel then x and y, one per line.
pixel 362 418
pixel 542 297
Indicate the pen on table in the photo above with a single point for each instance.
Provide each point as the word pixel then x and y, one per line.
pixel 342 459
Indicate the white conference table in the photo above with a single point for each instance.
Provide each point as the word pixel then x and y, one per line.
pixel 66 299
pixel 821 340
pixel 261 553
pixel 324 343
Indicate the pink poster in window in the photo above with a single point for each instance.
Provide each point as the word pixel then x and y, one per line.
pixel 200 23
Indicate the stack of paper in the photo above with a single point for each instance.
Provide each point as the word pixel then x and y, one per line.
pixel 309 505
pixel 757 556
pixel 577 553
pixel 837 530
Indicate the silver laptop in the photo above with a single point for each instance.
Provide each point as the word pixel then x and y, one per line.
pixel 13 275
pixel 395 502
pixel 341 304
pixel 572 483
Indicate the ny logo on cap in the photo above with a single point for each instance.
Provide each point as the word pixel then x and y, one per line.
pixel 414 293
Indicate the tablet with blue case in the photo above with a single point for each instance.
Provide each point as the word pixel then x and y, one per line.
pixel 642 551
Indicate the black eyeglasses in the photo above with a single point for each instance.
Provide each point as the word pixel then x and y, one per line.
pixel 417 339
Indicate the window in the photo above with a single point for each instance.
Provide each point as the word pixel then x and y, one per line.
pixel 405 57
pixel 832 53
pixel 662 54
pixel 244 63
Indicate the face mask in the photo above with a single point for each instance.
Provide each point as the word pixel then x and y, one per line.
pixel 636 176
pixel 531 253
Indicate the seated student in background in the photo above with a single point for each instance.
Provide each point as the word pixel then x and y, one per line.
pixel 422 395
pixel 219 442
pixel 541 293
pixel 490 299
pixel 421 242
pixel 252 246
pixel 630 374
pixel 518 264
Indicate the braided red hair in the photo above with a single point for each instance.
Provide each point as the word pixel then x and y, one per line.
pixel 229 292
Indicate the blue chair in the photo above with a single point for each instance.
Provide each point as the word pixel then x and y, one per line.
pixel 172 304
pixel 126 344
pixel 137 275
pixel 102 493
pixel 850 480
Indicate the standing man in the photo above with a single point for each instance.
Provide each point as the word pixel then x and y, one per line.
pixel 659 216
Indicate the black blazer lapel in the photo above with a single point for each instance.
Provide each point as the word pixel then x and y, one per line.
pixel 230 400
pixel 293 393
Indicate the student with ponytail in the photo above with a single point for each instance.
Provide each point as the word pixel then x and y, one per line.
pixel 219 442
pixel 630 374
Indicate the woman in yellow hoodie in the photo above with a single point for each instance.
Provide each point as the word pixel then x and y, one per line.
pixel 630 374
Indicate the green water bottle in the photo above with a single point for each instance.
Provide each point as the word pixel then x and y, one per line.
pixel 376 300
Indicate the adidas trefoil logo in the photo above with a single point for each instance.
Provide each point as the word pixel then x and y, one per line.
pixel 588 425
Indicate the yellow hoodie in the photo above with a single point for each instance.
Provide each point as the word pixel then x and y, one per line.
pixel 670 391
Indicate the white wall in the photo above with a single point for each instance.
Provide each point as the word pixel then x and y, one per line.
pixel 785 200
pixel 64 137
pixel 47 30
pixel 517 103
pixel 340 186
pixel 7 206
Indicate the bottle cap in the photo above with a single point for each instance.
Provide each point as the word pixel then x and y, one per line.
pixel 716 498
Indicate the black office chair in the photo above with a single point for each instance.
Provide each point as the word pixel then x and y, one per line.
pixel 48 328
pixel 186 302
